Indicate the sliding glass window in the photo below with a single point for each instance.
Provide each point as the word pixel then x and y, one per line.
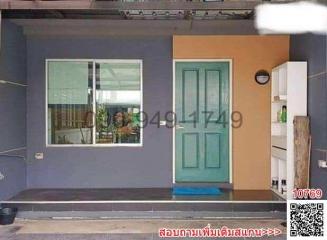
pixel 94 102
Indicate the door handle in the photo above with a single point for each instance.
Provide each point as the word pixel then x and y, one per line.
pixel 179 126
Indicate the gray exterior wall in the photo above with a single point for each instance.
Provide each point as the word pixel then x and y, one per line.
pixel 312 48
pixel 12 109
pixel 114 167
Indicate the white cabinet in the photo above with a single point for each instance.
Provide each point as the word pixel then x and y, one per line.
pixel 289 88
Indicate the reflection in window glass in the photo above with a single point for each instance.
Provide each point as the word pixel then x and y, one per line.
pixel 93 102
pixel 70 102
pixel 118 101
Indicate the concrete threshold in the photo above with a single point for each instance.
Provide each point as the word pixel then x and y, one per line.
pixel 149 215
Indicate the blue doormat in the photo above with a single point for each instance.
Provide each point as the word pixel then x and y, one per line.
pixel 196 191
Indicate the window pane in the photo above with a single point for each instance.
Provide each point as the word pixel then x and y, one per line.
pixel 70 97
pixel 118 101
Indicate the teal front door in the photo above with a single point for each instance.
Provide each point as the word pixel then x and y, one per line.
pixel 202 122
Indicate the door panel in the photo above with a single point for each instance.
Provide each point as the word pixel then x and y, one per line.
pixel 190 94
pixel 202 133
pixel 191 156
pixel 212 93
pixel 211 150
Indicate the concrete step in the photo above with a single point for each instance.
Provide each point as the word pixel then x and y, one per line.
pixel 154 209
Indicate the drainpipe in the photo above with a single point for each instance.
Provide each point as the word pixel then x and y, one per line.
pixel 0 28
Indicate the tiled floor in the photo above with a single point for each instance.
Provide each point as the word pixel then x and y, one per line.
pixel 138 194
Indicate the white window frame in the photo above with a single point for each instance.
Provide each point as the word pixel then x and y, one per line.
pixel 94 144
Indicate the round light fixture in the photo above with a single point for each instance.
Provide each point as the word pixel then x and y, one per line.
pixel 262 77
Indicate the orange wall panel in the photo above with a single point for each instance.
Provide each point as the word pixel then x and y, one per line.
pixel 251 142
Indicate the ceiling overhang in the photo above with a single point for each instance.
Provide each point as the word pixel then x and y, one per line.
pixel 103 27
pixel 101 17
pixel 133 5
pixel 136 10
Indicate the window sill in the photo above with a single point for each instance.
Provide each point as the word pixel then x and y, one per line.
pixel 94 145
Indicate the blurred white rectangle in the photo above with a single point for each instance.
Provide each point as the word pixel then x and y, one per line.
pixel 298 17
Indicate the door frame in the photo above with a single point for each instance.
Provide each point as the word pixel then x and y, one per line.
pixel 230 62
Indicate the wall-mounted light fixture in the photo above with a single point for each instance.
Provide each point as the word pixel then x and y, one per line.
pixel 262 77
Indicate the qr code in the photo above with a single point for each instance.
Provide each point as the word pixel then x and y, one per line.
pixel 306 220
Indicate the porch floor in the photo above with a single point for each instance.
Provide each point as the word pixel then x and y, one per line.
pixel 138 194
pixel 144 203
